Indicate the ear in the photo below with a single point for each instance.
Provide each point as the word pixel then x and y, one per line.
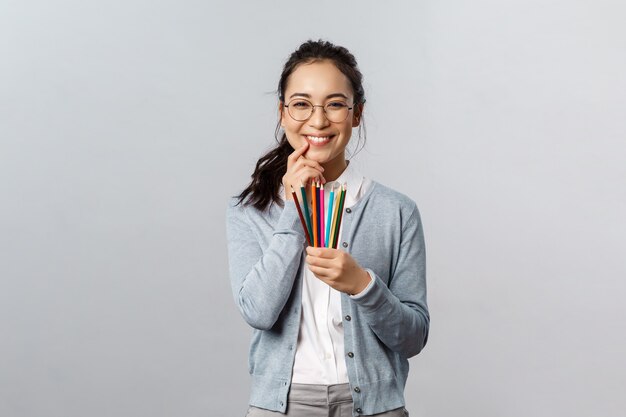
pixel 356 118
pixel 281 112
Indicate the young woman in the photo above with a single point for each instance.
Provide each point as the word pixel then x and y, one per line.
pixel 333 328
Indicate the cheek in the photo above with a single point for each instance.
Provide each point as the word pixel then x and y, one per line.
pixel 291 132
pixel 293 137
pixel 346 132
pixel 294 132
pixel 293 140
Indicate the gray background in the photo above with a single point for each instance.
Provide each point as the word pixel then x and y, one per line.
pixel 120 142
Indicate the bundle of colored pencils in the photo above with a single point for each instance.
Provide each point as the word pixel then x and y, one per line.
pixel 321 224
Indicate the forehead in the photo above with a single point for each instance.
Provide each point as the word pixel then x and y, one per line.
pixel 318 79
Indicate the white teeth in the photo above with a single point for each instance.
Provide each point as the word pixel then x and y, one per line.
pixel 318 139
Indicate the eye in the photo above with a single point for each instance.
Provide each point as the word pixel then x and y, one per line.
pixel 300 104
pixel 336 105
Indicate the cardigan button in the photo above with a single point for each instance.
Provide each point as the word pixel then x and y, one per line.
pixel 358 410
pixel 348 318
pixel 344 244
pixel 357 389
pixel 348 210
pixel 350 354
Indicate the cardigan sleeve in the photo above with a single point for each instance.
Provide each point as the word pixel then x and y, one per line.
pixel 262 278
pixel 398 313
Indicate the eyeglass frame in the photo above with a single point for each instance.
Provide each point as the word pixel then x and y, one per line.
pixel 313 111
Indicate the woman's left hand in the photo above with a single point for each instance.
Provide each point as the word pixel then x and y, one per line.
pixel 337 269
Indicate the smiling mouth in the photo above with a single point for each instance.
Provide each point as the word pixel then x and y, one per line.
pixel 318 140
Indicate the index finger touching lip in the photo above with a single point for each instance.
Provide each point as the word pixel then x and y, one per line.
pixel 295 155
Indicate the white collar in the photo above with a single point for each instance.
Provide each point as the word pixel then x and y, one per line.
pixel 351 176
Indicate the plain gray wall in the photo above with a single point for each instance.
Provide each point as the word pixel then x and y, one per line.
pixel 120 143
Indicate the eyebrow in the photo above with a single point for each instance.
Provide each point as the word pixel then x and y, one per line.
pixel 328 96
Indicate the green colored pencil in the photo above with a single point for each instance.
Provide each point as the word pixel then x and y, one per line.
pixel 340 215
pixel 307 216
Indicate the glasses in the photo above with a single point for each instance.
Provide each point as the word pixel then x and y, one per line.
pixel 300 110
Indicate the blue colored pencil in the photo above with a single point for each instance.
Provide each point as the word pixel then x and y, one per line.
pixel 330 216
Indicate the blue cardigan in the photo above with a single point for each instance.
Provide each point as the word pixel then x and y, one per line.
pixel 383 233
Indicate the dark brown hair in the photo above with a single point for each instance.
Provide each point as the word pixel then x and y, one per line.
pixel 270 168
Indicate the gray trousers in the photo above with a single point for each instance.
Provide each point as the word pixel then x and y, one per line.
pixel 310 400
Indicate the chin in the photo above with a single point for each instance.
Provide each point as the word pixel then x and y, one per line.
pixel 318 157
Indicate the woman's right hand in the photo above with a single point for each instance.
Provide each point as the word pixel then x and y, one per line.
pixel 301 170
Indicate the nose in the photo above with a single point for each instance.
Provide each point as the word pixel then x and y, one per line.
pixel 318 119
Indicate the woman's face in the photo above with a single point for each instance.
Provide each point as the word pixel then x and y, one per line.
pixel 320 82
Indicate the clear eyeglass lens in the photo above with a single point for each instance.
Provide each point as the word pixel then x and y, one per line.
pixel 300 109
pixel 336 111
